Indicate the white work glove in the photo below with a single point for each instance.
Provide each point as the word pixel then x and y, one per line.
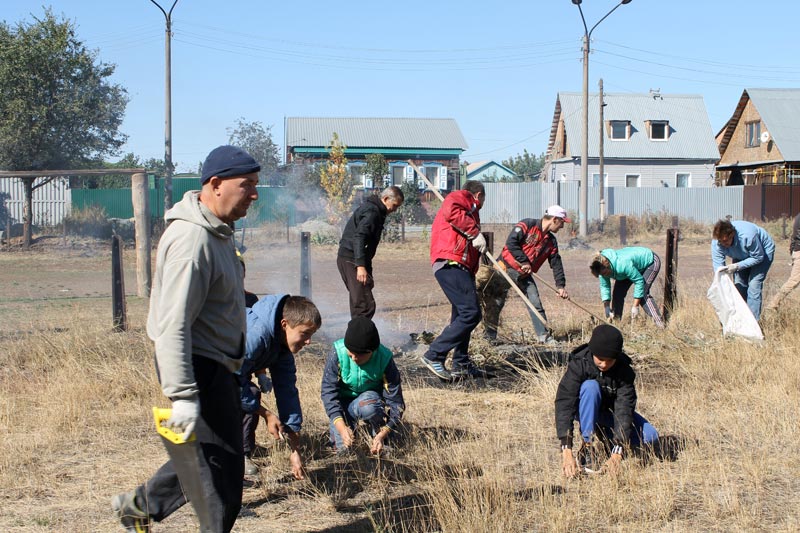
pixel 184 417
pixel 609 313
pixel 635 312
pixel 479 242
pixel 264 383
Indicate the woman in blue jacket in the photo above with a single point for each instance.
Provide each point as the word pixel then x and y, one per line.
pixel 634 265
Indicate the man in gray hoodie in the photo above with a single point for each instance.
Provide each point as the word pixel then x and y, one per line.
pixel 197 322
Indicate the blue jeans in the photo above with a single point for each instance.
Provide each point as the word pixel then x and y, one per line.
pixel 367 406
pixel 750 283
pixel 591 417
pixel 465 315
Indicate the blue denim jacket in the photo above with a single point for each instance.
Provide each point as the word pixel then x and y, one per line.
pixel 751 245
pixel 265 349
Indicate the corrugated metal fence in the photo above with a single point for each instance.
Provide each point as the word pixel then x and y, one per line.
pixel 51 202
pixel 507 203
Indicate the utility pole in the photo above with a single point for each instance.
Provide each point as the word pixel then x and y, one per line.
pixel 602 181
pixel 168 168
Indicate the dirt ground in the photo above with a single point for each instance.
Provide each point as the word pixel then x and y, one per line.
pixel 71 281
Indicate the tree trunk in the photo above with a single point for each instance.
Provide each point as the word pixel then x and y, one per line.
pixel 27 217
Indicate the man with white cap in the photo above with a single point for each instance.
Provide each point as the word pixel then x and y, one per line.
pixel 529 245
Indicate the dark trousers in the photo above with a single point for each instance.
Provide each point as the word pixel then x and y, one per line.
pixel 250 423
pixel 219 439
pixel 621 287
pixel 361 301
pixel 465 314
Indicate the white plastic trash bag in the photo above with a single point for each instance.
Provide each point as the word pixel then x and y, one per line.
pixel 732 310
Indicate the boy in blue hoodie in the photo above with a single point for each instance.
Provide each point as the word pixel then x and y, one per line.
pixel 359 383
pixel 278 327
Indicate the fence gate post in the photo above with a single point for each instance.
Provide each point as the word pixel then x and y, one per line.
pixel 671 273
pixel 305 264
pixel 623 230
pixel 119 312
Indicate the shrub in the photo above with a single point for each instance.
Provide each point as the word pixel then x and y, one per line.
pixel 90 221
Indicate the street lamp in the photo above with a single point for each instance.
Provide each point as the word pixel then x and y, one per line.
pixel 168 106
pixel 584 193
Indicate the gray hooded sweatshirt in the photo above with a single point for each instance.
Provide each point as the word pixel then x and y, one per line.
pixel 197 302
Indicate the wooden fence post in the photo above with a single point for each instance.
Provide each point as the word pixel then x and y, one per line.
pixel 671 273
pixel 623 230
pixel 119 309
pixel 305 264
pixel 141 219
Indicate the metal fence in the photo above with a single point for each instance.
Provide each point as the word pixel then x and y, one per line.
pixel 51 201
pixel 509 202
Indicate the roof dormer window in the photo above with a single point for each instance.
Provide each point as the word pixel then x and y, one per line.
pixel 619 130
pixel 658 129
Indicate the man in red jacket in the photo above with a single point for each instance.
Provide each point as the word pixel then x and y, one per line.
pixel 456 247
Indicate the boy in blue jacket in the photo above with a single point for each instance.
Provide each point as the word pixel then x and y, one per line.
pixel 278 327
pixel 359 382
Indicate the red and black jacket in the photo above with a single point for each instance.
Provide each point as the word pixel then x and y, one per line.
pixel 528 243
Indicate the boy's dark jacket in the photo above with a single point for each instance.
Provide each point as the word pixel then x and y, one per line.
pixel 616 385
pixel 363 231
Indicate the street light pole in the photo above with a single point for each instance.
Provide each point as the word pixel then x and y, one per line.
pixel 584 191
pixel 168 169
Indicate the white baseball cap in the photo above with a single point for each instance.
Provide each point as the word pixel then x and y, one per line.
pixel 557 211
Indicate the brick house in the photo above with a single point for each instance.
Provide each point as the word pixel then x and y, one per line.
pixel 435 145
pixel 760 143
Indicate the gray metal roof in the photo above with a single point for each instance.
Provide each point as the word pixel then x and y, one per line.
pixel 691 136
pixel 780 112
pixel 376 132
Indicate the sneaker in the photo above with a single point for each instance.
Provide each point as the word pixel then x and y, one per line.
pixel 468 370
pixel 250 468
pixel 588 460
pixel 437 368
pixel 133 519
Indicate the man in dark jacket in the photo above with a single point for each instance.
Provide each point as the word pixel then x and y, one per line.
pixel 529 245
pixel 357 247
pixel 598 391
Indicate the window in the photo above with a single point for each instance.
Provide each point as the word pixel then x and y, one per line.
pixel 753 134
pixel 619 130
pixel 631 180
pixel 683 180
pixel 596 179
pixel 357 172
pixel 398 173
pixel 659 130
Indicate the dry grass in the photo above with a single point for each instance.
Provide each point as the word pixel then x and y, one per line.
pixel 75 420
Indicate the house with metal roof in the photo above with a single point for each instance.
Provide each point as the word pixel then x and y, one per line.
pixel 435 145
pixel 645 140
pixel 490 171
pixel 760 143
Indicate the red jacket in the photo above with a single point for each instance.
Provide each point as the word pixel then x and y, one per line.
pixel 528 243
pixel 454 227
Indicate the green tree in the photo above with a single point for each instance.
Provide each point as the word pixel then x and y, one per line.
pixel 257 141
pixel 376 169
pixel 336 182
pixel 526 166
pixel 57 108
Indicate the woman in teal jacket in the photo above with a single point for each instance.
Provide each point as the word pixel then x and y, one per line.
pixel 634 265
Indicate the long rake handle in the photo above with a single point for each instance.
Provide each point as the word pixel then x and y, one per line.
pixel 492 259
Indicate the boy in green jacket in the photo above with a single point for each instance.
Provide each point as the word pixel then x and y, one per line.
pixel 634 265
pixel 359 383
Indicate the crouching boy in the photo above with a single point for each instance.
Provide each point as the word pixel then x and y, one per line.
pixel 359 383
pixel 598 391
pixel 278 326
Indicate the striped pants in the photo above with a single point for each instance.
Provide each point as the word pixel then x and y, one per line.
pixel 621 287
